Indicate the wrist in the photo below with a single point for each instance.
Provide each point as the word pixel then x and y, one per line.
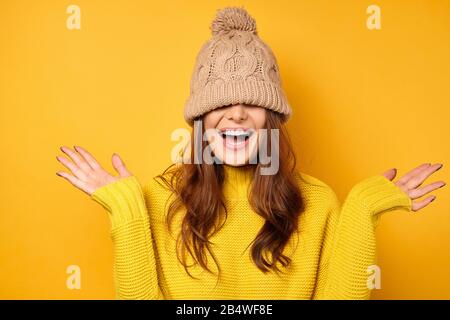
pixel 379 194
pixel 123 199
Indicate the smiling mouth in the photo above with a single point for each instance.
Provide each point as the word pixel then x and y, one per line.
pixel 235 139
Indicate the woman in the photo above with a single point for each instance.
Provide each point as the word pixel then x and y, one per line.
pixel 232 226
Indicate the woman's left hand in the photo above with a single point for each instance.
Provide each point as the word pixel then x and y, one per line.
pixel 410 182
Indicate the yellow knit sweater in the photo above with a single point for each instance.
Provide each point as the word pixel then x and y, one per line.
pixel 330 256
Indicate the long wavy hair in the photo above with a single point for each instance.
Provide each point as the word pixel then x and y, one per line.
pixel 198 190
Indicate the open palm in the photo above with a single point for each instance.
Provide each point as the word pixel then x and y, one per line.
pixel 410 182
pixel 87 174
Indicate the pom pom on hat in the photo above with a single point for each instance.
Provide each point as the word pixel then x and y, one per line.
pixel 233 18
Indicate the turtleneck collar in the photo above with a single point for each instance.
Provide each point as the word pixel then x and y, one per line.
pixel 237 180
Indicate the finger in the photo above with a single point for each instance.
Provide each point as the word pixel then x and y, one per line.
pixel 76 182
pixel 417 193
pixel 419 205
pixel 77 159
pixel 119 165
pixel 390 174
pixel 412 173
pixel 80 174
pixel 417 180
pixel 89 158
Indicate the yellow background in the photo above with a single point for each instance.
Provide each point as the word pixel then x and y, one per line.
pixel 364 102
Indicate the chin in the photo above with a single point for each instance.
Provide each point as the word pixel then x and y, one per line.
pixel 235 159
pixel 235 164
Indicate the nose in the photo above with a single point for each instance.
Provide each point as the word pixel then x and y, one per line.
pixel 237 113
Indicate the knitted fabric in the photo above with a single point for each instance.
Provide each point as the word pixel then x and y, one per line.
pixel 235 66
pixel 330 255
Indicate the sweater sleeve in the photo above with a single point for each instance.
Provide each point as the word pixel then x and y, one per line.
pixel 349 246
pixel 134 267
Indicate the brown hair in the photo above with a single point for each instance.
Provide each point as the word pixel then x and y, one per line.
pixel 276 198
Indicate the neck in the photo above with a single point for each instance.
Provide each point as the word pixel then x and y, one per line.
pixel 237 180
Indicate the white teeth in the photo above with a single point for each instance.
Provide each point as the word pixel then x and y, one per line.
pixel 236 133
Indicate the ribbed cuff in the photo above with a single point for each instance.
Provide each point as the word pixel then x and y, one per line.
pixel 378 194
pixel 123 199
pixel 261 93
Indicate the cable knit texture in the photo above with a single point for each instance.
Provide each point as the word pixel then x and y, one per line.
pixel 235 66
pixel 330 254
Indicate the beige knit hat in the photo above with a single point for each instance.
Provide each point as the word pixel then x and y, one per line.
pixel 235 66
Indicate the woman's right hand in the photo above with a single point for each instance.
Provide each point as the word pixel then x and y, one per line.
pixel 87 174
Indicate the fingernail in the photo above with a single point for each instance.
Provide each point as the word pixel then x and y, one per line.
pixel 75 147
pixel 440 167
pixel 58 174
pixel 433 199
pixel 442 185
